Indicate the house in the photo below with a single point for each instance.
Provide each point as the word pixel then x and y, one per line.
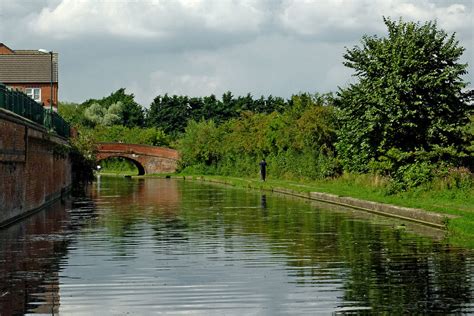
pixel 30 72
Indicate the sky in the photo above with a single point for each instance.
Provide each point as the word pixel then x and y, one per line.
pixel 203 47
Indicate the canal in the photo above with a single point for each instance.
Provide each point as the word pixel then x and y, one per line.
pixel 151 246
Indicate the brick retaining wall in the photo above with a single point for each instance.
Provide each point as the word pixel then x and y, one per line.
pixel 33 172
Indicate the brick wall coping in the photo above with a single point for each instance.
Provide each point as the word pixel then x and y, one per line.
pixel 138 149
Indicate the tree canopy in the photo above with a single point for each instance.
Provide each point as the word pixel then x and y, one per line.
pixel 409 104
pixel 117 108
pixel 297 142
pixel 171 113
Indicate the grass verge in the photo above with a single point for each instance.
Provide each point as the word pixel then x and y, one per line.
pixel 117 173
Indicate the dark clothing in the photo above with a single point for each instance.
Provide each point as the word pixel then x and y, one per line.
pixel 263 169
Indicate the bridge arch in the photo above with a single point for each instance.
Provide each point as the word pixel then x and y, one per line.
pixel 137 164
pixel 148 159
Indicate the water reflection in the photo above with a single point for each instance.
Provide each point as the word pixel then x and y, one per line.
pixel 31 254
pixel 263 201
pixel 169 246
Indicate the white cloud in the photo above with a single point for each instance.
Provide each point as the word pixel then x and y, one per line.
pixel 74 18
pixel 313 17
pixel 191 84
pixel 456 17
pixel 230 16
pixel 331 18
pixel 148 19
pixel 162 81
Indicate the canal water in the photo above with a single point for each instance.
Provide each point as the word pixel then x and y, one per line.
pixel 166 246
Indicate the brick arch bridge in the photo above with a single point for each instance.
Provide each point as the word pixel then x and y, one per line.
pixel 147 159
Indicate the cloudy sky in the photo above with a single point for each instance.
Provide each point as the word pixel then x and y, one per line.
pixel 199 47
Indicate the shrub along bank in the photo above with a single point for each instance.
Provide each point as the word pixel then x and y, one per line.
pixel 299 142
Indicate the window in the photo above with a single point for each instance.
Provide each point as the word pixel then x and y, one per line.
pixel 34 93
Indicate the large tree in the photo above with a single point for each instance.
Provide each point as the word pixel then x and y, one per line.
pixel 169 113
pixel 409 102
pixel 131 114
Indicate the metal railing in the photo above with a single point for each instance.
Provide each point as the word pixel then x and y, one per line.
pixel 21 104
pixel 60 125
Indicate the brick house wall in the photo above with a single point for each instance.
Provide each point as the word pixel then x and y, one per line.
pixel 45 91
pixel 4 50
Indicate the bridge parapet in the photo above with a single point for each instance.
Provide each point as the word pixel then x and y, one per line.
pixel 148 159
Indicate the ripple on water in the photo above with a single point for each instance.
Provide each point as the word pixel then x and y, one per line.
pixel 178 247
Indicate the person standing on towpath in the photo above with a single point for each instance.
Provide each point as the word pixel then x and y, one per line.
pixel 263 169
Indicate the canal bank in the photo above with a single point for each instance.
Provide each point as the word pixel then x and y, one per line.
pixel 442 211
pixel 420 216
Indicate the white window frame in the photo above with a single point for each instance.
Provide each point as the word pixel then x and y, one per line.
pixel 31 93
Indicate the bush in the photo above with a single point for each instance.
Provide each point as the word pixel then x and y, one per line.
pixel 454 178
pixel 118 164
pixel 296 143
pixel 135 135
pixel 201 144
pixel 414 175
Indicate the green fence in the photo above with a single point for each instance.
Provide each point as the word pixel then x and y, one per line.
pixel 19 103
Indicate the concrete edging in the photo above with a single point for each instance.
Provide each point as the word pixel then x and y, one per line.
pixel 405 213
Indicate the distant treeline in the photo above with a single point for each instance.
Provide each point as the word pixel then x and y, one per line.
pixel 171 113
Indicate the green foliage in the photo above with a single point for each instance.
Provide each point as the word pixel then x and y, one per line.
pixel 408 106
pixel 171 113
pixel 117 109
pixel 135 135
pixel 96 115
pixel 296 143
pixel 202 144
pixel 118 165
pixel 114 112
pixel 408 119
pixel 71 112
pixel 410 176
pixel 459 179
pixel 470 138
pixel 83 157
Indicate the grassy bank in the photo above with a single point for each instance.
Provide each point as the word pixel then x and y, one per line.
pixel 120 173
pixel 118 166
pixel 456 202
